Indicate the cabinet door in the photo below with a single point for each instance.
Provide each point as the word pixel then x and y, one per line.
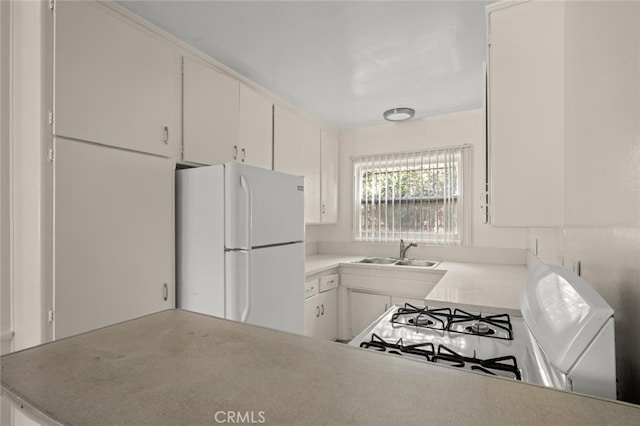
pixel 114 236
pixel 328 315
pixel 114 83
pixel 601 119
pixel 329 177
pixel 297 151
pixel 256 128
pixel 526 113
pixel 366 308
pixel 312 316
pixel 210 114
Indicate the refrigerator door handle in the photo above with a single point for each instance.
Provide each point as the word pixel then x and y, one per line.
pixel 248 231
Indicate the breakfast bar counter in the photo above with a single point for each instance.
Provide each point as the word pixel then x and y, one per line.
pixel 177 367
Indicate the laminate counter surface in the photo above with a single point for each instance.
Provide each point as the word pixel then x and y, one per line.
pixel 323 262
pixel 479 286
pixel 177 367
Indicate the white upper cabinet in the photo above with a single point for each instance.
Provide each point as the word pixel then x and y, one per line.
pixel 114 82
pixel 297 151
pixel 256 129
pixel 210 114
pixel 329 176
pixel 602 111
pixel 224 120
pixel 526 112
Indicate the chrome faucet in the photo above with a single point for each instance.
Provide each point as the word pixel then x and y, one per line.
pixel 403 248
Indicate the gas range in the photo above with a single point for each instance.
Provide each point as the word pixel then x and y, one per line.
pixel 565 327
pixel 487 343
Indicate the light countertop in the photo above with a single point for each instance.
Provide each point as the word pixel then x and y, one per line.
pixel 177 367
pixel 479 286
pixel 464 285
pixel 323 262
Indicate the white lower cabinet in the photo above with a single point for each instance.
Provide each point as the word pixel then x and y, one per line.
pixel 367 292
pixel 321 307
pixel 366 308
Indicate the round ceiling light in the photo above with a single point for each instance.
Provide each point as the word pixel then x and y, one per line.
pixel 398 114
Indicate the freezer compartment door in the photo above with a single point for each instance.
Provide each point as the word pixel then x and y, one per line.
pixel 263 207
pixel 265 287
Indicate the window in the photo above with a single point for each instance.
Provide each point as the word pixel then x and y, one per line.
pixel 413 196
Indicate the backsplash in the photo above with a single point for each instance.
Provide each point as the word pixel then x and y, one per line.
pixel 447 253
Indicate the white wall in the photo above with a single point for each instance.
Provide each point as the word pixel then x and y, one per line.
pixel 487 243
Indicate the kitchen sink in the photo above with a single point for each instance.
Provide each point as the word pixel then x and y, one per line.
pixel 378 260
pixel 416 262
pixel 397 262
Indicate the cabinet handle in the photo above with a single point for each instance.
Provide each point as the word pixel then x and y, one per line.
pixel 385 307
pixel 322 311
pixel 235 152
pixel 244 154
pixel 317 311
pixel 324 209
pixel 166 135
pixel 165 292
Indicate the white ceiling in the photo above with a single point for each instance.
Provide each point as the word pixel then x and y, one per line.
pixel 344 62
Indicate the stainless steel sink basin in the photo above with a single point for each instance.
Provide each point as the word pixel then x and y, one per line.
pixel 397 262
pixel 378 260
pixel 416 262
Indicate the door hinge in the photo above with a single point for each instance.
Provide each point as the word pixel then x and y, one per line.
pixel 51 155
pixel 51 118
pixel 50 316
pixel 51 3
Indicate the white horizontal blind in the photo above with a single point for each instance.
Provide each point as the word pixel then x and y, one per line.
pixel 411 195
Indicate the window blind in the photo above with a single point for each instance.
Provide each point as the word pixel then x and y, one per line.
pixel 411 195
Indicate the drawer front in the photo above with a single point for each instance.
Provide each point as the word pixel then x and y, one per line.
pixel 329 282
pixel 311 288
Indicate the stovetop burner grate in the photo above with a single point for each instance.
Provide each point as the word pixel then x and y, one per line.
pixel 506 364
pixel 503 363
pixel 410 315
pixel 426 350
pixel 481 325
pixel 493 326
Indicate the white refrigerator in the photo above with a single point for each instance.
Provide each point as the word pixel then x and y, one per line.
pixel 240 252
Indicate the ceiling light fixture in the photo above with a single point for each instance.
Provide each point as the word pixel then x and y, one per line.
pixel 399 114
